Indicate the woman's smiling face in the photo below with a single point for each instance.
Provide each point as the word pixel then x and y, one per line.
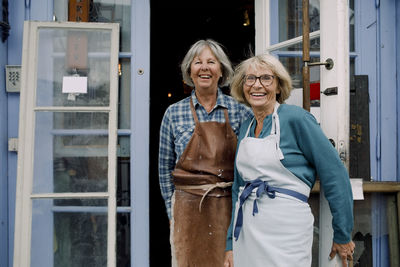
pixel 205 70
pixel 258 95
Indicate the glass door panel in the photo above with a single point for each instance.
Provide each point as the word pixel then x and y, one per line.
pixel 67 175
pixel 73 236
pixel 78 142
pixel 68 53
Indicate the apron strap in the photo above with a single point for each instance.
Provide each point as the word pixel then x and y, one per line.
pixel 196 119
pixel 207 187
pixel 229 133
pixel 276 130
pixel 262 187
pixel 248 129
pixel 229 130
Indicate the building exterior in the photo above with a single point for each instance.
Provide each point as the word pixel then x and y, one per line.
pixel 141 226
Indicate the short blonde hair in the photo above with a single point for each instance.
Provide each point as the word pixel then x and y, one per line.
pixel 262 61
pixel 216 49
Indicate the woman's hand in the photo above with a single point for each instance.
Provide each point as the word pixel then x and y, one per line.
pixel 228 262
pixel 345 251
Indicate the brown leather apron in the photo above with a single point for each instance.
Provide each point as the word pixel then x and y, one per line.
pixel 202 199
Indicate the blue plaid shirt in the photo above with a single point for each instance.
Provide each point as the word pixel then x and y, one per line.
pixel 177 128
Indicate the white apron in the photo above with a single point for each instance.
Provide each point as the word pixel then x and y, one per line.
pixel 276 228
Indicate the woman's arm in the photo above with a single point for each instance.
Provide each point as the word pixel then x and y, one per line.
pixel 166 161
pixel 332 173
pixel 237 183
pixel 345 252
pixel 228 261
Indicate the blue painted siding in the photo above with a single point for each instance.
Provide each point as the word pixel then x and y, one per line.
pixel 376 46
pixel 376 49
pixel 17 11
pixel 3 161
pixel 397 45
pixel 365 65
pixel 388 92
pixel 40 10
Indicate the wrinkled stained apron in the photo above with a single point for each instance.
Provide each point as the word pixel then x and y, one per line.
pixel 202 202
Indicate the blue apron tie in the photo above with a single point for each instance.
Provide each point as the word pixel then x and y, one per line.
pixel 262 187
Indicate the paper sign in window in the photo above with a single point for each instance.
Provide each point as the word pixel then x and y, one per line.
pixel 73 84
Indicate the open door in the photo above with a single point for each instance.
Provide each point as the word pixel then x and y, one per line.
pixel 335 112
pixel 329 40
pixel 66 181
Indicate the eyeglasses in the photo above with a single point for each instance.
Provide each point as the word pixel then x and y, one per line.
pixel 265 79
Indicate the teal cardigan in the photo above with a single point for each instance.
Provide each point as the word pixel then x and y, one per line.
pixel 308 153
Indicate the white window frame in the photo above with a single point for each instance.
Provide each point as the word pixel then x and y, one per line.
pixel 24 196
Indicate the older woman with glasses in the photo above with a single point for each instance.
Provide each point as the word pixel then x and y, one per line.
pixel 197 150
pixel 281 150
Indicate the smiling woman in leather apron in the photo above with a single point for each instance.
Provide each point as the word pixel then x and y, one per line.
pixel 281 150
pixel 196 155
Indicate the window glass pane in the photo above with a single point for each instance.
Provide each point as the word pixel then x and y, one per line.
pixel 116 11
pixel 80 239
pixel 294 67
pixel 70 152
pixel 74 67
pixel 124 103
pixel 313 201
pixel 352 67
pixel 69 238
pixel 77 174
pixel 72 120
pixel 352 22
pixel 291 24
pixel 63 205
pixel 123 240
pixel 123 172
pixel 362 232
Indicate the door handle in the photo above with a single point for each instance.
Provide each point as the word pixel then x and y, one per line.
pixel 328 64
pixel 330 91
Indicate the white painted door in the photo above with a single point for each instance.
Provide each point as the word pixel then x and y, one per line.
pixel 335 113
pixel 278 31
pixel 66 181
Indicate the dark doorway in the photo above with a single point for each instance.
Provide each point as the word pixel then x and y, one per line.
pixel 175 26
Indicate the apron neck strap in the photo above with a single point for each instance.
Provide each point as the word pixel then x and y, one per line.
pixel 248 128
pixel 196 119
pixel 276 129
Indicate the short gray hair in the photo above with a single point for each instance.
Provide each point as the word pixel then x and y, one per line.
pixel 216 48
pixel 262 61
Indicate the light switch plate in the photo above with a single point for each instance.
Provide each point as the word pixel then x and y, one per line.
pixel 13 78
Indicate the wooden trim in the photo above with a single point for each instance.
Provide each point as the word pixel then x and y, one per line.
pixel 370 187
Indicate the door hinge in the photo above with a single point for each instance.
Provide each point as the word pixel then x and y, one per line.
pixel 13 144
pixel 342 151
